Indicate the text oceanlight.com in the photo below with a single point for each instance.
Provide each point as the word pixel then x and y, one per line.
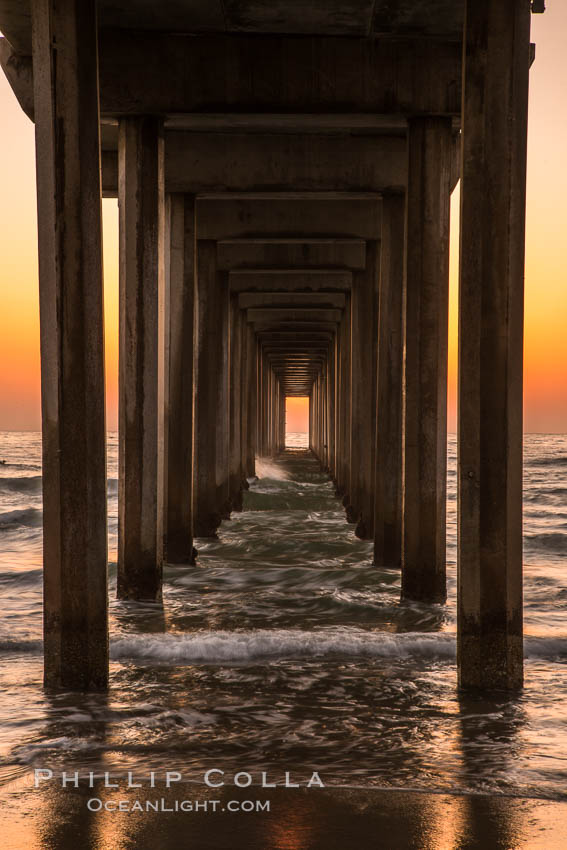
pixel 95 804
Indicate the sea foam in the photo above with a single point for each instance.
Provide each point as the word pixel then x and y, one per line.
pixel 264 645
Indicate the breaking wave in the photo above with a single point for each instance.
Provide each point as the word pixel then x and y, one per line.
pixel 267 645
pixel 30 517
pixel 274 645
pixel 21 645
pixel 21 484
pixel 551 460
pixel 549 542
pixel 268 469
pixel 278 644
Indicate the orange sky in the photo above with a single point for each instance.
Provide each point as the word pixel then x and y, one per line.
pixel 546 253
pixel 297 415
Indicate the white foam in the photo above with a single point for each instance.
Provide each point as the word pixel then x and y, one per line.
pixel 268 469
pixel 264 645
pixel 27 753
pixel 545 647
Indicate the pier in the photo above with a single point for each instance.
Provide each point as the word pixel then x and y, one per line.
pixel 283 175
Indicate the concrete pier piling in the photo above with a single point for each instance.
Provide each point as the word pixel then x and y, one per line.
pixel 495 110
pixel 211 473
pixel 235 400
pixel 388 482
pixel 72 345
pixel 364 341
pixel 141 378
pixel 292 241
pixel 180 319
pixel 426 346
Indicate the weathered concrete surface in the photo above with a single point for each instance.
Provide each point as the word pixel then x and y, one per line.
pixel 292 314
pixel 252 162
pixel 156 73
pixel 388 460
pixel 426 346
pixel 276 74
pixel 140 455
pixel 180 287
pixel 333 300
pixel 249 162
pixel 321 336
pixel 264 444
pixel 290 215
pixel 211 491
pixel 331 408
pixel 328 254
pixel 311 422
pixel 251 400
pixel 290 280
pixel 345 435
pixel 490 646
pixel 291 123
pixel 19 73
pixel 235 403
pixel 442 18
pixel 296 369
pixel 72 348
pixel 246 389
pixel 282 418
pixel 364 341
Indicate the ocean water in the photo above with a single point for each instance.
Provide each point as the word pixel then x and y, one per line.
pixel 285 649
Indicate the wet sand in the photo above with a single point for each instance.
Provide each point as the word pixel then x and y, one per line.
pixel 49 818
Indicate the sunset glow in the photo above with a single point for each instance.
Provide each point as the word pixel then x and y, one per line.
pixel 297 415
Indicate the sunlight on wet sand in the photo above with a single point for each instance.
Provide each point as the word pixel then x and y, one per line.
pixel 304 819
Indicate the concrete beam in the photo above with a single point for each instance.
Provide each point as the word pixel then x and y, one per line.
pixel 386 113
pixel 19 73
pixel 157 73
pixel 304 361
pixel 289 280
pixel 309 328
pixel 295 353
pixel 440 19
pixel 300 335
pixel 289 214
pixel 223 162
pixel 296 299
pixel 250 162
pixel 291 314
pixel 298 361
pixel 327 254
pixel 337 123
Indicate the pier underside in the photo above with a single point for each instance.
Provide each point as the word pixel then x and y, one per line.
pixel 283 173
